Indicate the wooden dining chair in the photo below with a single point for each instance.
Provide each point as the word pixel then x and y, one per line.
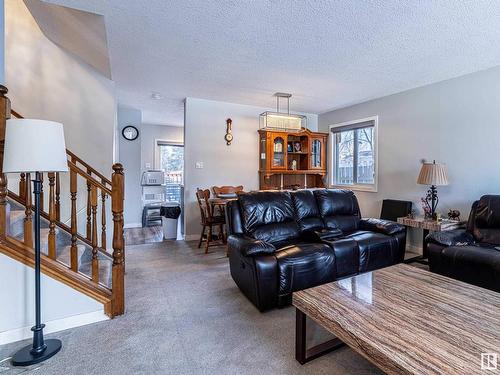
pixel 208 219
pixel 222 190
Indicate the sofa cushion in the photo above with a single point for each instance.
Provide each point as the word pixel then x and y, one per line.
pixel 473 264
pixel 455 237
pixel 338 209
pixel 306 210
pixel 376 250
pixel 269 216
pixel 304 265
pixel 346 256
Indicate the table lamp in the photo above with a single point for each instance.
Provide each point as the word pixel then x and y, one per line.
pixel 434 175
pixel 35 146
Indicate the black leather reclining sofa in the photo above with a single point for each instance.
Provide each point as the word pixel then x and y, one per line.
pixel 471 255
pixel 282 242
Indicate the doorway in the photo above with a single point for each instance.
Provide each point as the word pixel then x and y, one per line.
pixel 170 158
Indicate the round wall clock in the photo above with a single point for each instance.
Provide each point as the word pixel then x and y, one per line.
pixel 130 133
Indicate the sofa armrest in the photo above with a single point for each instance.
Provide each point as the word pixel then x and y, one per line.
pixel 456 237
pixel 248 246
pixel 382 226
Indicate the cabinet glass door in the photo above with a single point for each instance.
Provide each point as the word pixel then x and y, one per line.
pixel 278 153
pixel 316 153
pixel 262 152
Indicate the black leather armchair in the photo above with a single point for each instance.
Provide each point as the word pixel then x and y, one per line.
pixel 471 255
pixel 282 242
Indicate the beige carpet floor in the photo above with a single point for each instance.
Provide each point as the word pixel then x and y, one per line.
pixel 185 315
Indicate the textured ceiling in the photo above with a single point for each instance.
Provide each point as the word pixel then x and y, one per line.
pixel 329 54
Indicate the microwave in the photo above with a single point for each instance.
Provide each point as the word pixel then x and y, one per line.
pixel 153 177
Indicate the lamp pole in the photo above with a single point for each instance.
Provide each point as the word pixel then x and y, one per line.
pixel 40 350
pixel 35 146
pixel 434 201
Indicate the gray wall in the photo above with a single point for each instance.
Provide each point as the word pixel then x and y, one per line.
pixel 45 81
pixel 135 155
pixel 151 134
pixel 130 157
pixel 454 122
pixel 204 130
pixel 48 83
pixel 59 302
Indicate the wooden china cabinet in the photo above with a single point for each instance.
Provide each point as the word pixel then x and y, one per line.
pixel 289 160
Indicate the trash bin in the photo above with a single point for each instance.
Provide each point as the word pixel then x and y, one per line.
pixel 170 213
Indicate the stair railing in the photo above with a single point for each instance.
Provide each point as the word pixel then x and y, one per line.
pixel 99 189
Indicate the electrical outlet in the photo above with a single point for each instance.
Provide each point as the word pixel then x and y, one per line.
pixel 199 165
pixel 148 165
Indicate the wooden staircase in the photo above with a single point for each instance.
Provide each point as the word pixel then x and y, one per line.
pixel 78 257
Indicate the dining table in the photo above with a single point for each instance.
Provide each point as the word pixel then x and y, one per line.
pixel 221 202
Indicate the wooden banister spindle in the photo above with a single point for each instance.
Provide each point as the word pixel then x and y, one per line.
pixel 22 187
pixel 118 273
pixel 95 250
pixel 89 213
pixel 74 248
pixel 58 197
pixel 28 213
pixel 4 115
pixel 103 219
pixel 52 215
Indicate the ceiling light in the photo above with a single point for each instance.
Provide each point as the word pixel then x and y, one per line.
pixel 282 120
pixel 156 96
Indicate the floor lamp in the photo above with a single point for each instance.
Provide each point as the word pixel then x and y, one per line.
pixel 35 146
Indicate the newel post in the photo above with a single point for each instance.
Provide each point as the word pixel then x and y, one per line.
pixel 118 275
pixel 4 115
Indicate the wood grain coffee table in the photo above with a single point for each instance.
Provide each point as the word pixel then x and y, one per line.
pixel 404 320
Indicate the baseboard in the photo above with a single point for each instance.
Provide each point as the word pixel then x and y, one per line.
pixel 53 326
pixel 414 249
pixel 191 237
pixel 132 225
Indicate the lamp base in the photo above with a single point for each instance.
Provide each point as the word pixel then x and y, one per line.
pixel 25 357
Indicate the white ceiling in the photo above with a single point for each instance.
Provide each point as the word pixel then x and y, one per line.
pixel 329 54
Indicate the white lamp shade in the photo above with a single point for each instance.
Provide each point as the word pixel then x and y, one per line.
pixel 432 174
pixel 34 146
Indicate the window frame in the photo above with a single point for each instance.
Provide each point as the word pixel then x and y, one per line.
pixel 156 149
pixel 333 152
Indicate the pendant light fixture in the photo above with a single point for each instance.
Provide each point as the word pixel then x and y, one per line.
pixel 282 121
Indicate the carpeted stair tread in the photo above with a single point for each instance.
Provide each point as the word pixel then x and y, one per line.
pixel 14 206
pixel 105 266
pixel 16 222
pixel 64 255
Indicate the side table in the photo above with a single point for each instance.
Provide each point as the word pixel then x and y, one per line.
pixel 428 225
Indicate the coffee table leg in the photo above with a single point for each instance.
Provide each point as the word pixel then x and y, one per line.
pixel 304 355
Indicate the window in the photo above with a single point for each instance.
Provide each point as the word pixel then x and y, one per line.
pixel 354 154
pixel 171 160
